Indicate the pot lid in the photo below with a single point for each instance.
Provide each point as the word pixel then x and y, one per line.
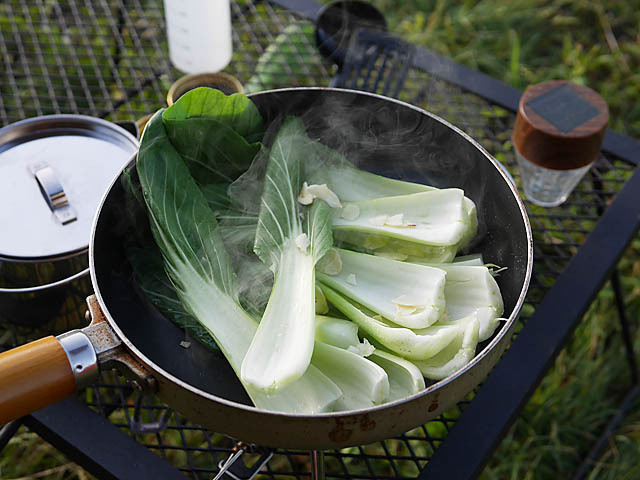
pixel 54 171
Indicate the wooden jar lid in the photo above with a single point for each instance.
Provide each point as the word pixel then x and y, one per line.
pixel 560 125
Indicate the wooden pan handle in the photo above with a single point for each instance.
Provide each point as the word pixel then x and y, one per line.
pixel 33 376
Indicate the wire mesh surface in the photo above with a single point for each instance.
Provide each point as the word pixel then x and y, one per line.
pixel 109 59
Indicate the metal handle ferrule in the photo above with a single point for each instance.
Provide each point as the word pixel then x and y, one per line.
pixel 82 357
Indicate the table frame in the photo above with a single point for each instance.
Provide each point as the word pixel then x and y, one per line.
pixel 107 452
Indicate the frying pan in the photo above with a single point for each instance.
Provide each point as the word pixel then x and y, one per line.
pixel 384 136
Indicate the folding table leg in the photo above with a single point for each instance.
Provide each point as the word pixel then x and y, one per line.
pixel 8 431
pixel 94 443
pixel 596 451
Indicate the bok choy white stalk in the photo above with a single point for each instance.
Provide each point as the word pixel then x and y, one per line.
pixel 408 294
pixel 472 290
pixel 434 217
pixel 410 344
pixel 363 383
pixel 456 355
pixel 198 265
pixel 404 377
pixel 351 184
pixel 290 239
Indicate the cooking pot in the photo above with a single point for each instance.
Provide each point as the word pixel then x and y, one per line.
pixel 54 170
pixel 386 137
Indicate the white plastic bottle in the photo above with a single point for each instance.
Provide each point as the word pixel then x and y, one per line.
pixel 199 34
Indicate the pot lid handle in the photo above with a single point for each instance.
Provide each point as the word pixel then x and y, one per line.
pixel 53 193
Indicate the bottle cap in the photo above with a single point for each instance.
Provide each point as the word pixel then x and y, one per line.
pixel 560 125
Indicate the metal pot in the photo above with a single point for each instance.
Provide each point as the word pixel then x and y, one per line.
pixel 126 330
pixel 54 170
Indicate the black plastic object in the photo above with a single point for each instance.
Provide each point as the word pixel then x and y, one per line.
pixel 376 62
pixel 338 21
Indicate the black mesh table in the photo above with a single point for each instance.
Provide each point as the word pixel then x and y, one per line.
pixel 108 58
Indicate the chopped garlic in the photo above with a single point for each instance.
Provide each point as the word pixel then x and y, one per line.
pixel 391 255
pixel 331 263
pixel 350 212
pixel 311 192
pixel 363 349
pixel 305 197
pixel 323 193
pixel 374 242
pixel 395 220
pixel 321 302
pixel 406 301
pixel 379 221
pixel 302 242
pixel 351 279
pixel 402 310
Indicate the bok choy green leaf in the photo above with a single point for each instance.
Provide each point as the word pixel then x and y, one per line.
pixel 148 267
pixel 217 136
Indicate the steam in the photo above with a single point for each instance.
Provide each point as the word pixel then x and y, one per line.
pixel 376 135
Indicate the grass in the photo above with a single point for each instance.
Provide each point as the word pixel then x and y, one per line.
pixel 595 43
pixel 27 456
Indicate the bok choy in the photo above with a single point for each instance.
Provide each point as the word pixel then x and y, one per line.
pixel 404 377
pixel 290 239
pixel 351 184
pixel 455 355
pixel 414 345
pixel 195 259
pixel 407 294
pixel 472 290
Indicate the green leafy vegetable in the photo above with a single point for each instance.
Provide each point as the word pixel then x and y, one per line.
pixel 407 294
pixel 472 290
pixel 363 383
pixel 246 231
pixel 404 377
pixel 290 239
pixel 199 267
pixel 236 111
pixel 414 345
pixel 148 266
pixel 352 184
pixel 217 136
pixel 455 355
pixel 435 217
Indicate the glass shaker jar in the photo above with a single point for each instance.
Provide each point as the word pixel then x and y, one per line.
pixel 557 136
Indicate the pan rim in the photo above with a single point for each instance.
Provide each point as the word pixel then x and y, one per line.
pixel 505 330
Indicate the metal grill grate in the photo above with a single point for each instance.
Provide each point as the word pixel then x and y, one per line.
pixel 109 59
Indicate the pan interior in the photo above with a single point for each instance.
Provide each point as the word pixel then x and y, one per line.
pixel 379 135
